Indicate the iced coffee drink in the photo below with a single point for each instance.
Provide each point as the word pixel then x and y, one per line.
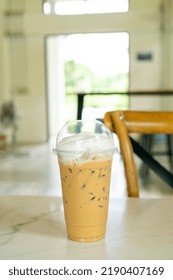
pixel 85 160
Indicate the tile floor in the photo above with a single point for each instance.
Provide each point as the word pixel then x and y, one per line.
pixel 34 171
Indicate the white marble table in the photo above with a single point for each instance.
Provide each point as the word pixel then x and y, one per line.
pixel 33 228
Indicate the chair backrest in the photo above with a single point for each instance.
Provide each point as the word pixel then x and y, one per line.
pixel 145 122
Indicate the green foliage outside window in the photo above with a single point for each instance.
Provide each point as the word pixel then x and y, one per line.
pixel 80 78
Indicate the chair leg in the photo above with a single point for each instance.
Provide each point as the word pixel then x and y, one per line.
pixel 169 145
pixel 154 165
pixel 146 142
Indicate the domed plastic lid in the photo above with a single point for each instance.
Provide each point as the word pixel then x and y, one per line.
pixel 86 139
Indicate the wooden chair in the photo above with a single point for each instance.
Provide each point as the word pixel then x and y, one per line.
pixel 124 123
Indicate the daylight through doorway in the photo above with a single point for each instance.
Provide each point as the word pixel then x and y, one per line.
pixel 97 62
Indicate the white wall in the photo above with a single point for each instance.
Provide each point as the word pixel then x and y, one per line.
pixel 154 74
pixel 33 124
pixel 23 72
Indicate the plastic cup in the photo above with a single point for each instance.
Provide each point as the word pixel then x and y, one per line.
pixel 85 150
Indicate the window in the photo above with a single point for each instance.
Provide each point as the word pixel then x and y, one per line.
pixel 74 7
pixel 46 8
pixel 100 67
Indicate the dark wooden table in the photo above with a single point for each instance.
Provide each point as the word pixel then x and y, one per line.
pixel 81 96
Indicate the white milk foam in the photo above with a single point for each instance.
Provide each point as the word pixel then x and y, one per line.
pixel 85 146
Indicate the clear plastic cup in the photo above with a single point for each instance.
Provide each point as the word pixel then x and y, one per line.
pixel 85 150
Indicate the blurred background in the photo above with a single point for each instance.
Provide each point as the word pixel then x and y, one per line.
pixel 52 50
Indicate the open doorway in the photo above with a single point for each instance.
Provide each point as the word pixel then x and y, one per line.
pixel 95 62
